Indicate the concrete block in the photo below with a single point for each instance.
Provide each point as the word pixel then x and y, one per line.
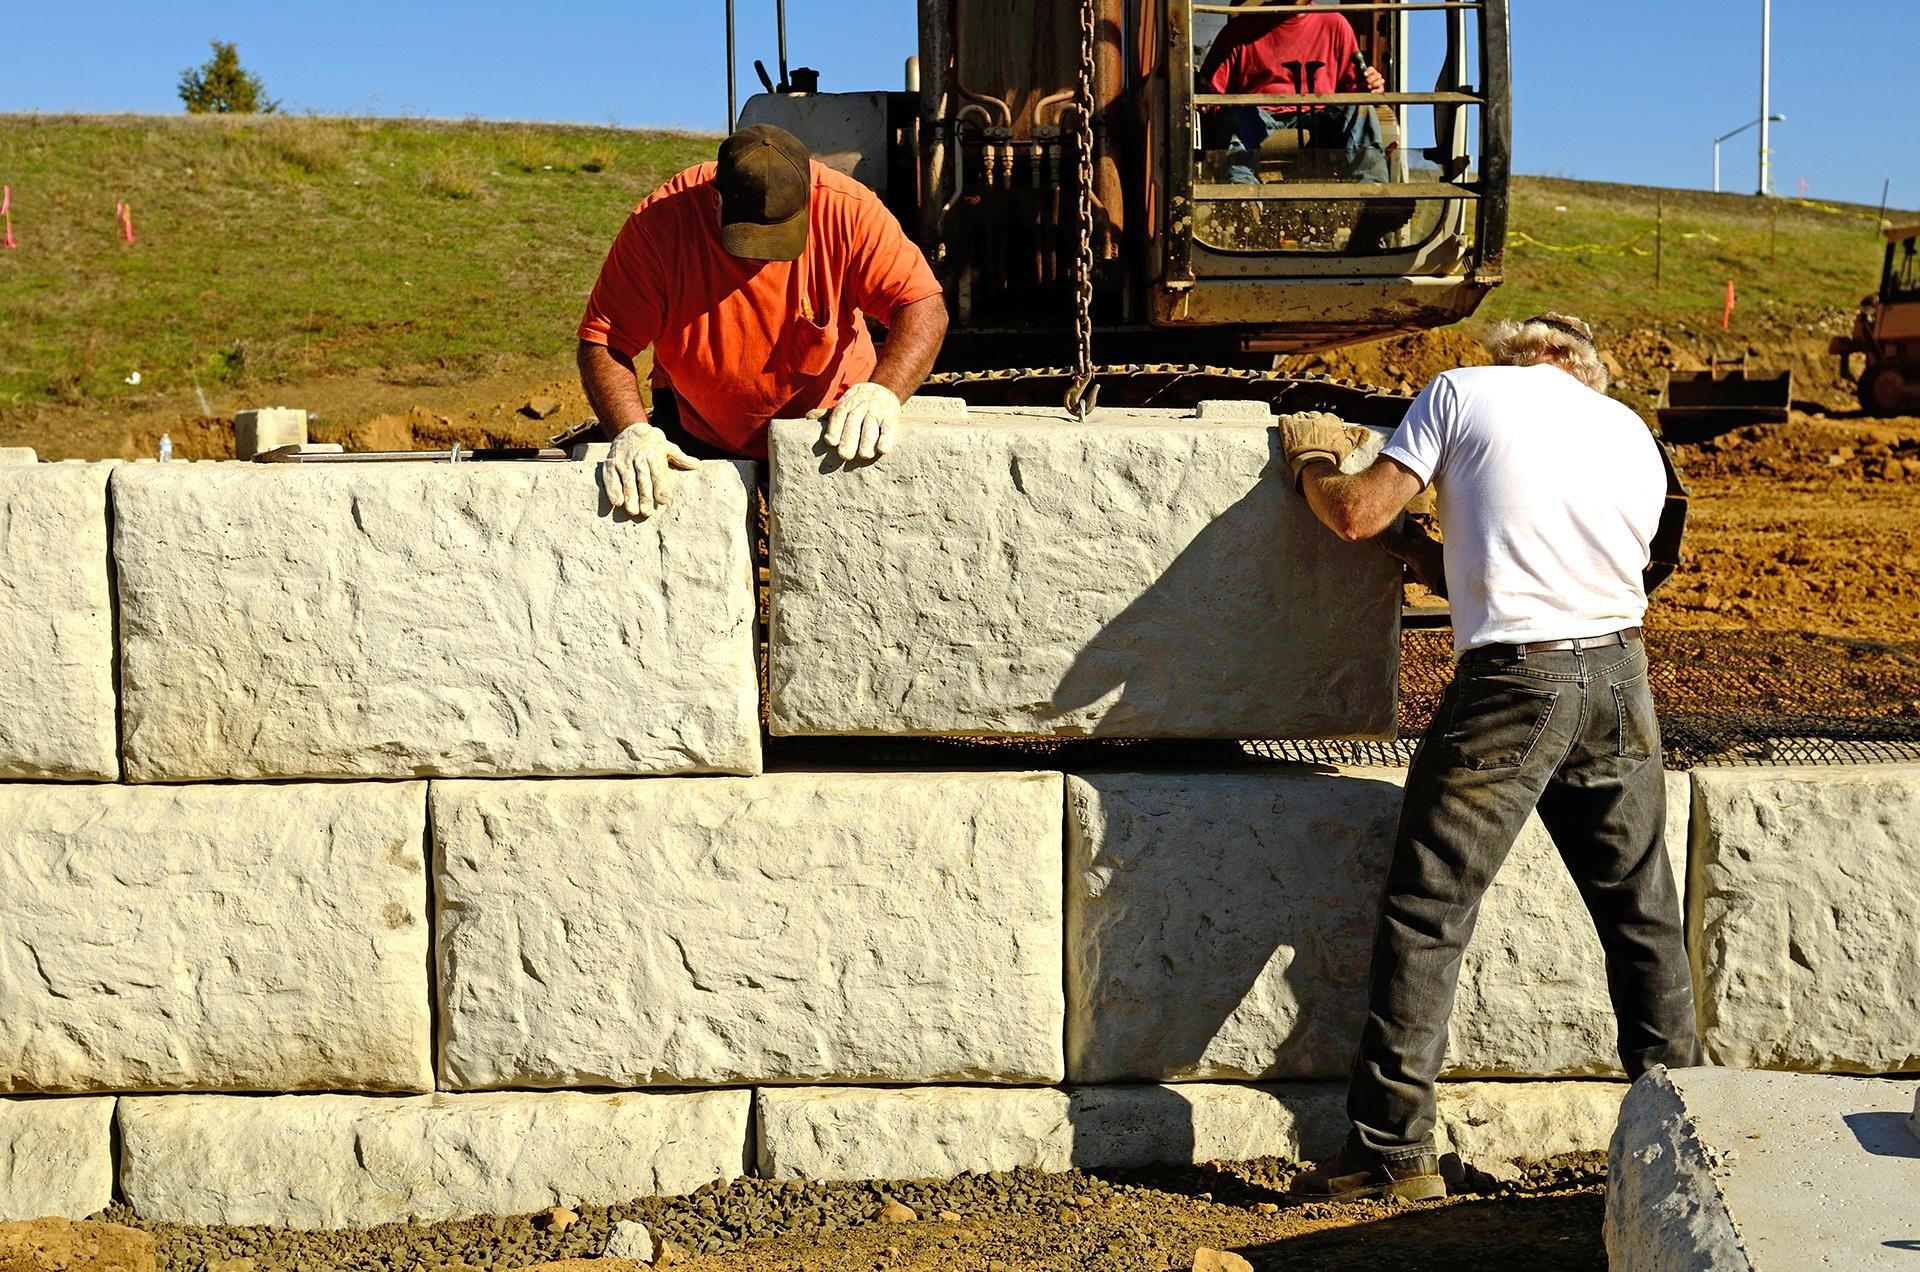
pixel 949 588
pixel 342 1161
pixel 1760 1172
pixel 924 407
pixel 56 625
pixel 939 1132
pixel 912 1133
pixel 1240 410
pixel 268 428
pixel 19 455
pixel 56 1157
pixel 1804 917
pixel 214 938
pixel 398 620
pixel 1221 926
pixel 797 927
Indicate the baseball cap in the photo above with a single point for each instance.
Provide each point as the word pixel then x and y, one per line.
pixel 764 180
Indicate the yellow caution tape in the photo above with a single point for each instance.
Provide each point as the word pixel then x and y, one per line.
pixel 1603 249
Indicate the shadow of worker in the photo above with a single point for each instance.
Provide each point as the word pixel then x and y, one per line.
pixel 1219 930
pixel 1260 625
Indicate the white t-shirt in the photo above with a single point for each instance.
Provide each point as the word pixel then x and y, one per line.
pixel 1549 494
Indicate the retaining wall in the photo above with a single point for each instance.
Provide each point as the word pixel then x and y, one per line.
pixel 907 973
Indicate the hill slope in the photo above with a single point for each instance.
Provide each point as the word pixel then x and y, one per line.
pixel 272 252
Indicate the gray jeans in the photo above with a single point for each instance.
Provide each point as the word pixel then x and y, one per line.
pixel 1572 733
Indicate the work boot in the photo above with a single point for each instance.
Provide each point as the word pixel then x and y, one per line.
pixel 1357 1171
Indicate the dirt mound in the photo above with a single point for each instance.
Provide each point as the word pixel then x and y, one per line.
pixel 1403 363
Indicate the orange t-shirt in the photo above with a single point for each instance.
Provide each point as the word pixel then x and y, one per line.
pixel 743 342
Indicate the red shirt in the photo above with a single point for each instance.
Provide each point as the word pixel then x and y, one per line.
pixel 1301 52
pixel 743 342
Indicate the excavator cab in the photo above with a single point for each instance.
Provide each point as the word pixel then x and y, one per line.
pixel 1193 249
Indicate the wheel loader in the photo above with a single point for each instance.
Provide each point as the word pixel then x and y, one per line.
pixel 1887 333
pixel 1064 171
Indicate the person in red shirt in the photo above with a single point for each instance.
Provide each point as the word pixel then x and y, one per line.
pixel 750 279
pixel 1293 51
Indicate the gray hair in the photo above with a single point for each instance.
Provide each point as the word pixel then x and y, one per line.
pixel 1561 339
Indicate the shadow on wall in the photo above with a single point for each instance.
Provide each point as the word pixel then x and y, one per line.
pixel 1152 666
pixel 1203 948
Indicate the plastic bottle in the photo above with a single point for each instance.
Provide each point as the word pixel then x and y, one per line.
pixel 166 448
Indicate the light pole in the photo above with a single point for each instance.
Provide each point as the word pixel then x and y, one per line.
pixel 1766 91
pixel 1777 119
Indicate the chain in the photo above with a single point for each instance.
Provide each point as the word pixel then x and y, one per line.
pixel 1082 396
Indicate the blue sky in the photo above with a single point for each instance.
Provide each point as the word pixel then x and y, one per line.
pixel 1629 90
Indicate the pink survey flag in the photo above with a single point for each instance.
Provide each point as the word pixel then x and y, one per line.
pixel 6 213
pixel 125 212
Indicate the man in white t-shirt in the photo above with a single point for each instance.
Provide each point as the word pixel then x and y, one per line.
pixel 1549 495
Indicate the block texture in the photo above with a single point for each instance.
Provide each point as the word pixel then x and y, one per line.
pixel 938 1132
pixel 56 1157
pixel 797 927
pixel 338 1161
pixel 1806 914
pixel 213 938
pixel 1142 574
pixel 56 624
pixel 389 620
pixel 1221 925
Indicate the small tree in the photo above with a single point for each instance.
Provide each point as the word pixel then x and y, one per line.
pixel 222 86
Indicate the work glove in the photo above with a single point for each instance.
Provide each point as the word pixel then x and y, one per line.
pixel 637 474
pixel 862 424
pixel 1306 436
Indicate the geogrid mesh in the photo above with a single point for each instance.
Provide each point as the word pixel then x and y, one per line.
pixel 1740 697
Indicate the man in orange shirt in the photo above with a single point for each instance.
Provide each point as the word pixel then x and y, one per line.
pixel 750 279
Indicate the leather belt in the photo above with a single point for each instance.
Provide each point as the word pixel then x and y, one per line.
pixel 1487 653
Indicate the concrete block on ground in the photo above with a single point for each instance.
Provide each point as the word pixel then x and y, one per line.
pixel 269 938
pixel 797 927
pixel 911 1133
pixel 1761 1172
pixel 400 620
pixel 57 710
pixel 1221 926
pixel 19 455
pixel 56 1157
pixel 341 1161
pixel 267 428
pixel 1804 912
pixel 1141 574
pixel 939 1132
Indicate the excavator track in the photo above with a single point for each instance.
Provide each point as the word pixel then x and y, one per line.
pixel 1168 384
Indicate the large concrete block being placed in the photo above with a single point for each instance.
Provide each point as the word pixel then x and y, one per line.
pixel 56 624
pixel 340 1161
pixel 796 927
pixel 56 1157
pixel 1805 953
pixel 214 938
pixel 1221 926
pixel 396 620
pixel 1140 574
pixel 1723 1170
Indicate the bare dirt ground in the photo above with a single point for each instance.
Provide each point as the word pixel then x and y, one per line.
pixel 1016 1221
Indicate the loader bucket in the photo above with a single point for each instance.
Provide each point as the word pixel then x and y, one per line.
pixel 1697 405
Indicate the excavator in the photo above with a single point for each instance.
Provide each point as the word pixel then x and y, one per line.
pixel 1061 164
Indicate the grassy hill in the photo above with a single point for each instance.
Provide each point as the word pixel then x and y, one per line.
pixel 270 248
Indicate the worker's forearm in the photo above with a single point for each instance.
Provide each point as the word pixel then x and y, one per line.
pixel 611 387
pixel 1359 505
pixel 913 342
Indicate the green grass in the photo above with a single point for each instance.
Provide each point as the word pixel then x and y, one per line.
pixel 274 247
pixel 1784 256
pixel 277 247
